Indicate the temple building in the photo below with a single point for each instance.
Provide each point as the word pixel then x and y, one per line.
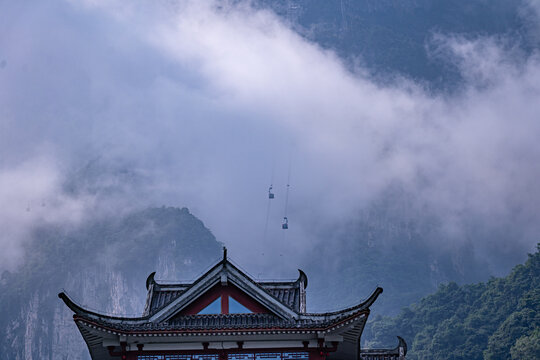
pixel 227 315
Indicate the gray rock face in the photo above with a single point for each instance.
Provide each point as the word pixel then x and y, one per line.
pixel 395 37
pixel 99 269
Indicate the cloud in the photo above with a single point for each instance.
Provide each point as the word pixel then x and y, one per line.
pixel 31 194
pixel 213 101
pixel 534 5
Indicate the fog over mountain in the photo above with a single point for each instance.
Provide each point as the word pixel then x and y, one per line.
pixel 387 36
pixel 111 106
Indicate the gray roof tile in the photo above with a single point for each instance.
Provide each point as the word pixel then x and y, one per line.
pixel 216 322
pixel 287 293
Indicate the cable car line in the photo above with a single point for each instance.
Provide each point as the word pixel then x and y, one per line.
pixel 271 196
pixel 270 193
pixel 285 224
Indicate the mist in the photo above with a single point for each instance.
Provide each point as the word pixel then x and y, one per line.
pixel 206 104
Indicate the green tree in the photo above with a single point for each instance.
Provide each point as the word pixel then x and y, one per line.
pixel 497 320
pixel 527 347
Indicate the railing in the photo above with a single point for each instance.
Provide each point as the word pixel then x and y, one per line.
pixel 239 356
pixel 381 356
pixel 397 353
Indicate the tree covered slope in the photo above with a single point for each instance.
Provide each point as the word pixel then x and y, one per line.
pixel 499 319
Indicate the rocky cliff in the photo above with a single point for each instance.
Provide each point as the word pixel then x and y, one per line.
pixel 103 265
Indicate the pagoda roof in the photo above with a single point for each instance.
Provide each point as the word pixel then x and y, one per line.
pixel 173 316
pixel 285 302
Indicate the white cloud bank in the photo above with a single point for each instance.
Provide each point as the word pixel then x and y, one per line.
pixel 31 194
pixel 208 98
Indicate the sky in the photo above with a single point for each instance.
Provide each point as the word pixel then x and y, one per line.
pixel 204 104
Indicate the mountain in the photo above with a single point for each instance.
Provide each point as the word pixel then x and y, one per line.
pixel 499 319
pixel 104 261
pixel 404 249
pixel 103 264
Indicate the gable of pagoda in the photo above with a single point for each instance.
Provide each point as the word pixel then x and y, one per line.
pixel 226 281
pixel 224 296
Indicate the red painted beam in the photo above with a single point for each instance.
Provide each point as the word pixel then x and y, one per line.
pixel 224 302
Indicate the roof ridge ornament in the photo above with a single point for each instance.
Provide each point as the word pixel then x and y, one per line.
pixel 302 283
pixel 302 278
pixel 224 253
pixel 150 280
pixel 402 346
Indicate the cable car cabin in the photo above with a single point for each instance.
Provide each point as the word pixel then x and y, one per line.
pixel 227 315
pixel 270 193
pixel 285 224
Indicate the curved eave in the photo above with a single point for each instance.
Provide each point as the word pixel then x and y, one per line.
pixel 365 305
pixel 79 310
pixel 325 317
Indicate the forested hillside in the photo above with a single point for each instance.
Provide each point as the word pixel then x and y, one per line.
pixel 499 319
